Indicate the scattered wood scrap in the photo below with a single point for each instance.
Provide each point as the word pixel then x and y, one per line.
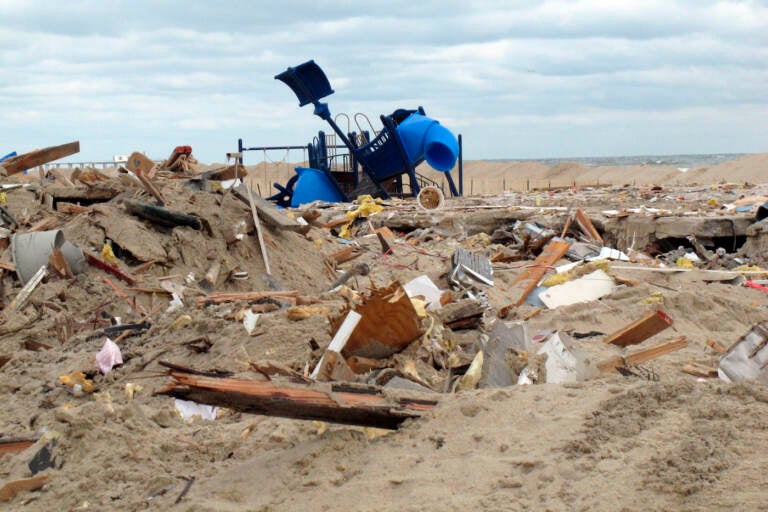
pixel 221 297
pixel 585 224
pixel 37 157
pixel 16 444
pixel 640 330
pixel 645 355
pixel 700 370
pixel 336 403
pixel 11 489
pixel 530 277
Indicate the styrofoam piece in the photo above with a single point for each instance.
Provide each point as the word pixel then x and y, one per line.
pixel 188 410
pixel 585 289
pixel 606 253
pixel 425 287
pixel 250 319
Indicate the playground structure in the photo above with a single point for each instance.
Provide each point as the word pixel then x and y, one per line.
pixel 345 165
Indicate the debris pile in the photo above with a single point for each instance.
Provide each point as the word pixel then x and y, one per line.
pixel 369 313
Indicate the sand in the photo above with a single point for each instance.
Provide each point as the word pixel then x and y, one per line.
pixel 659 439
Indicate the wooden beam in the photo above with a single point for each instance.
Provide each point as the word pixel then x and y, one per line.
pixel 337 403
pixel 640 330
pixel 267 210
pixel 530 277
pixel 37 157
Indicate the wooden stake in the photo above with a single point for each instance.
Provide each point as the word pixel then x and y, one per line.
pixel 258 232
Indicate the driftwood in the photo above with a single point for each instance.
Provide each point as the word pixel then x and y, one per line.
pixel 337 403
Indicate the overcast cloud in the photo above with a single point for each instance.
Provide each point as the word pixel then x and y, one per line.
pixel 519 79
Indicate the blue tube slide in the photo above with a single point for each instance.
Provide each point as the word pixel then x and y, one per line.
pixel 314 185
pixel 425 137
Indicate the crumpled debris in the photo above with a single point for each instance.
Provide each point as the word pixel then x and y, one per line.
pixel 108 357
pixel 108 255
pixel 368 206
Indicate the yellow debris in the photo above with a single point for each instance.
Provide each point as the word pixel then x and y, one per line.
pixel 182 321
pixel 575 273
pixel 3 198
pixel 472 377
pixel 684 263
pixel 420 306
pixel 75 378
pixel 368 206
pixel 654 298
pixel 131 389
pixel 108 255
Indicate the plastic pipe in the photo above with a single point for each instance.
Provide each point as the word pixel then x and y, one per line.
pixel 426 138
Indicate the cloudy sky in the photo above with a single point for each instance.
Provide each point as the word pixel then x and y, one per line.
pixel 519 79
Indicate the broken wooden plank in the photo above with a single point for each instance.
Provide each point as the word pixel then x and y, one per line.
pixel 267 210
pixel 336 403
pixel 585 224
pixel 465 314
pixel 700 370
pixel 360 364
pixel 11 489
pixel 37 157
pixel 16 444
pixel 162 216
pixel 230 172
pixel 717 347
pixel 387 239
pixel 221 297
pixel 530 277
pixel 640 330
pixel 643 356
pixel 348 253
pixel 150 187
pixel 389 323
pixel 110 268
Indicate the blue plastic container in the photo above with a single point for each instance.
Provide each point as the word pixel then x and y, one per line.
pixel 425 137
pixel 313 185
